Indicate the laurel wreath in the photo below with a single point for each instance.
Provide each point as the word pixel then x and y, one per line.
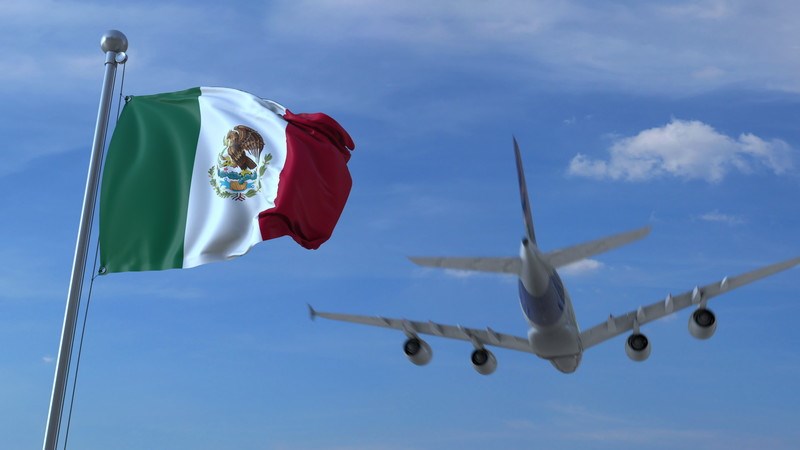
pixel 251 192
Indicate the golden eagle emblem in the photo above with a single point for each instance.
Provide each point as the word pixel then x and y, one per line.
pixel 237 174
pixel 242 140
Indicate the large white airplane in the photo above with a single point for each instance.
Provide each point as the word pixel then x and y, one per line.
pixel 554 334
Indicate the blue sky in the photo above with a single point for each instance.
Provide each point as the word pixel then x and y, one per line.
pixel 682 115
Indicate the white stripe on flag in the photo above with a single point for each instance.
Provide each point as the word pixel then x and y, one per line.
pixel 222 228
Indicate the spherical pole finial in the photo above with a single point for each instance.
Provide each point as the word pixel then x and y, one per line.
pixel 113 41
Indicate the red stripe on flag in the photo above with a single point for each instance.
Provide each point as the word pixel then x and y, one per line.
pixel 314 183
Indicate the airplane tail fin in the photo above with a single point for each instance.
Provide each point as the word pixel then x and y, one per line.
pixel 523 193
pixel 557 258
pixel 499 265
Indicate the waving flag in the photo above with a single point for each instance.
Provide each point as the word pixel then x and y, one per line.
pixel 204 174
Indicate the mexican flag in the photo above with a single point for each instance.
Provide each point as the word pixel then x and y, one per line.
pixel 204 174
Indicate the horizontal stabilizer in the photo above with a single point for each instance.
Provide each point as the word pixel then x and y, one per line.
pixel 569 255
pixel 497 265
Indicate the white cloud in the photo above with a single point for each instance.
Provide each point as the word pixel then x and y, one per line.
pixel 455 273
pixel 684 46
pixel 464 274
pixel 716 216
pixel 600 427
pixel 153 290
pixel 685 149
pixel 26 276
pixel 643 436
pixel 579 412
pixel 582 267
pixel 68 41
pixel 708 73
pixel 47 359
pixel 709 9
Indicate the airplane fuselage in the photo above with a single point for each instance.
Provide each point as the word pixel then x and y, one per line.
pixel 554 334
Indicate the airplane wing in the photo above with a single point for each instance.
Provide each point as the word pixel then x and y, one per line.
pixel 562 257
pixel 499 265
pixel 410 327
pixel 615 326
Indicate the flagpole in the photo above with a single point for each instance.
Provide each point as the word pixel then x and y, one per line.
pixel 113 44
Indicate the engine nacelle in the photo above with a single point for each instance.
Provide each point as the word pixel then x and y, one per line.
pixel 637 347
pixel 418 351
pixel 702 323
pixel 483 361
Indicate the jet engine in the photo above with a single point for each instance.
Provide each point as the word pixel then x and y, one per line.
pixel 483 361
pixel 637 347
pixel 702 323
pixel 418 351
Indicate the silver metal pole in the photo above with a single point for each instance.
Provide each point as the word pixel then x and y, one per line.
pixel 113 44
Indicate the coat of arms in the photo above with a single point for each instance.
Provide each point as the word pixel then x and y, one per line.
pixel 239 168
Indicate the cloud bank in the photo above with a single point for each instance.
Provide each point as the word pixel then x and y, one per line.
pixel 685 149
pixel 636 46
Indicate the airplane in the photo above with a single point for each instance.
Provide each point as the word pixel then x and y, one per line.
pixel 553 332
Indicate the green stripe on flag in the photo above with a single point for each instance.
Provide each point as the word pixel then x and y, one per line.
pixel 146 182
